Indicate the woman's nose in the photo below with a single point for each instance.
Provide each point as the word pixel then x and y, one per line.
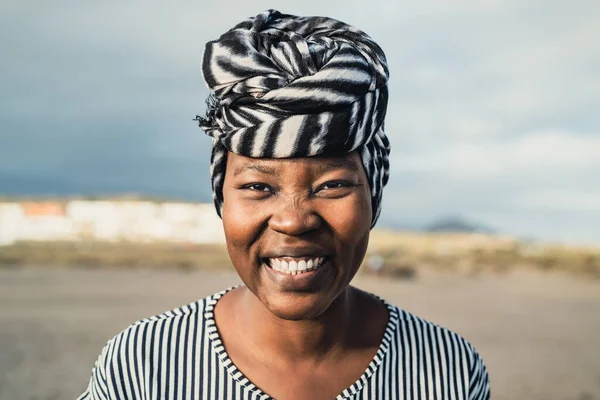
pixel 294 218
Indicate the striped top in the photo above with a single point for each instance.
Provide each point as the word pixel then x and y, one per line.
pixel 179 355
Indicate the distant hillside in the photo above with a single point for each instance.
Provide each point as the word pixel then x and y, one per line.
pixel 457 224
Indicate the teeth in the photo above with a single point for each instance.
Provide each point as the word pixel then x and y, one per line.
pixel 295 267
pixel 302 266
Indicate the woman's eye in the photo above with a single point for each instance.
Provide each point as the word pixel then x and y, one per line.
pixel 335 185
pixel 258 187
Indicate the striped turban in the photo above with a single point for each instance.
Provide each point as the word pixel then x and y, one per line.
pixel 286 86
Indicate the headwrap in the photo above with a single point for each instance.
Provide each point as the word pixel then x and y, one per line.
pixel 286 86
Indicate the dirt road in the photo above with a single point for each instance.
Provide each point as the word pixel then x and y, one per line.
pixel 539 335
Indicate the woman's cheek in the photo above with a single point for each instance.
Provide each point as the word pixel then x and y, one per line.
pixel 240 216
pixel 348 216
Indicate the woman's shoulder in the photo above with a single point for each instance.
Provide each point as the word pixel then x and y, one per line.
pixel 154 342
pixel 199 311
pixel 421 328
pixel 433 349
pixel 151 341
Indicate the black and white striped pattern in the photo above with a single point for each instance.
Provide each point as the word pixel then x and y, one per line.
pixel 287 86
pixel 179 355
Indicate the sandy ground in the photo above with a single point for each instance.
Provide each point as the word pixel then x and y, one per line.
pixel 539 335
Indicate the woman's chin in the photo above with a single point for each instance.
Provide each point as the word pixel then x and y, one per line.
pixel 296 306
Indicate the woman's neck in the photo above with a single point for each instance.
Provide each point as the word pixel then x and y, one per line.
pixel 304 340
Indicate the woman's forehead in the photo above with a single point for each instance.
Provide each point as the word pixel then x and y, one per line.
pixel 238 164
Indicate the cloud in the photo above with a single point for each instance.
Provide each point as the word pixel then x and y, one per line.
pixel 558 200
pixel 538 184
pixel 547 152
pixel 518 67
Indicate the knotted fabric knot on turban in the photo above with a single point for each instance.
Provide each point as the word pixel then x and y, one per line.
pixel 286 86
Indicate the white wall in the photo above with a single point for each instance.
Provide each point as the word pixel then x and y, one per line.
pixel 133 221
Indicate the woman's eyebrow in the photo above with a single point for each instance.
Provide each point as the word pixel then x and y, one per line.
pixel 263 169
pixel 342 163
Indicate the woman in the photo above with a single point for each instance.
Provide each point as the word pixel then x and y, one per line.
pixel 299 162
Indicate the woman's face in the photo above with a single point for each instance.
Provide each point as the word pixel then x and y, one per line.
pixel 297 229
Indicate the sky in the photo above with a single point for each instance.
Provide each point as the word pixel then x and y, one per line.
pixel 493 112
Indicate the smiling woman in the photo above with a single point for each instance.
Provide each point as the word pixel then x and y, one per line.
pixel 288 214
pixel 299 162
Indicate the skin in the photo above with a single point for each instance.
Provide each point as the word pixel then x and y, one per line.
pixel 298 336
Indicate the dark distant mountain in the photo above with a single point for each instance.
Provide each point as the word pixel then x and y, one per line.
pixel 457 225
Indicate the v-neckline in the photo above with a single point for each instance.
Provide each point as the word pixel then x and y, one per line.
pixel 217 344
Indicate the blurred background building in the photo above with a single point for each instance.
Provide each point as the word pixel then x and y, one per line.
pixel 109 220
